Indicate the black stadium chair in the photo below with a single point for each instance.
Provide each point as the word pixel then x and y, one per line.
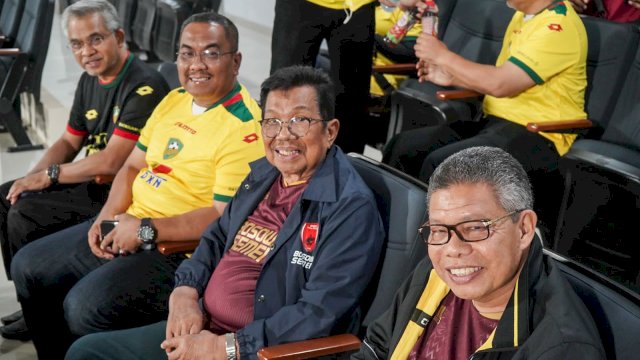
pixel 25 64
pixel 601 202
pixel 475 31
pixel 170 14
pixel 142 26
pixel 10 21
pixel 402 204
pixel 126 11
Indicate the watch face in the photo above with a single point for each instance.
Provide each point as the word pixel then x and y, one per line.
pixel 146 234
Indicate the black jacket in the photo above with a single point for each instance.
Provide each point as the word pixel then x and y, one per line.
pixel 552 321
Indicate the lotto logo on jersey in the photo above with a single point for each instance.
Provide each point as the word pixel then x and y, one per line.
pixel 555 27
pixel 144 90
pixel 250 138
pixel 91 114
pixel 173 148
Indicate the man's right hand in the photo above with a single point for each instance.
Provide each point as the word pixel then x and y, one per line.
pixel 185 315
pixel 95 238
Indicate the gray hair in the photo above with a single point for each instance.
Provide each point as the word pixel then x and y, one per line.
pixel 88 7
pixel 489 165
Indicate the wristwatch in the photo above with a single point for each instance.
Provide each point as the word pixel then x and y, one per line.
pixel 148 234
pixel 230 342
pixel 53 172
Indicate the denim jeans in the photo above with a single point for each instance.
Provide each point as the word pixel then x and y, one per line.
pixel 66 291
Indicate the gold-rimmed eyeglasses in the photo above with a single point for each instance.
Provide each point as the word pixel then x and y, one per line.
pixel 298 126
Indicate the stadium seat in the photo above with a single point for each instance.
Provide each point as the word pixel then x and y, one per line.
pixel 170 14
pixel 475 31
pixel 601 201
pixel 10 21
pixel 25 64
pixel 142 26
pixel 127 10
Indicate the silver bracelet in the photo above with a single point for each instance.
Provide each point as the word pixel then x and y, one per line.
pixel 230 340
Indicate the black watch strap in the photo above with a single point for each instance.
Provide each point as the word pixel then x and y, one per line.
pixel 53 172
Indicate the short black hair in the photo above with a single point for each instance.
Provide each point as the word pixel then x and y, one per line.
pixel 230 29
pixel 298 76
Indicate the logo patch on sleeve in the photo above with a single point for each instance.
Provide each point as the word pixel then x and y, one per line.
pixel 91 114
pixel 555 27
pixel 309 235
pixel 174 146
pixel 144 90
pixel 250 138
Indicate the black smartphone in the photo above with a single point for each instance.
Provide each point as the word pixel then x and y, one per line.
pixel 106 226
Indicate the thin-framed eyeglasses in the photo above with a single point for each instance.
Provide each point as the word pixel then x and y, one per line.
pixel 467 231
pixel 298 126
pixel 207 56
pixel 95 40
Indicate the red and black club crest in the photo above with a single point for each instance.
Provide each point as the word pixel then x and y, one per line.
pixel 309 235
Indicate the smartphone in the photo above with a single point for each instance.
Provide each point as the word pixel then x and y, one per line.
pixel 106 226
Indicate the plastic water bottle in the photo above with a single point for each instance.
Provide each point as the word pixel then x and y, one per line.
pixel 430 19
pixel 399 30
pixel 388 8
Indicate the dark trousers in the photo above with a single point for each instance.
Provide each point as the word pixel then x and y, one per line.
pixel 37 214
pixel 65 291
pixel 139 343
pixel 298 30
pixel 418 152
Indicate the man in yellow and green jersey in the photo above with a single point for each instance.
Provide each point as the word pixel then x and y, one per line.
pixel 188 162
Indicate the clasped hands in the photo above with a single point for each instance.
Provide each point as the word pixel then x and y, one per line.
pixel 122 240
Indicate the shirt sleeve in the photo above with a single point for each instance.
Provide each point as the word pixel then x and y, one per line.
pixel 550 50
pixel 137 108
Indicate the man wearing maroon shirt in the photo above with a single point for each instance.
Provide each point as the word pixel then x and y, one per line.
pixel 290 256
pixel 485 291
pixel 614 10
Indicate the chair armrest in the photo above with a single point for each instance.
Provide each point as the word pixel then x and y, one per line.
pixel 308 349
pixel 557 126
pixel 104 179
pixel 173 247
pixel 10 52
pixel 445 95
pixel 396 69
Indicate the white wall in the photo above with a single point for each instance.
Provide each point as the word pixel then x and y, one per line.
pixel 260 12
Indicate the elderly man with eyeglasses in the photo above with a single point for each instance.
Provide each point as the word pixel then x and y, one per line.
pixel 190 159
pixel 287 261
pixel 114 98
pixel 484 291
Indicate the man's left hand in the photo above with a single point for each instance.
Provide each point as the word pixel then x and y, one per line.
pixel 34 182
pixel 204 345
pixel 434 74
pixel 123 238
pixel 429 49
pixel 635 3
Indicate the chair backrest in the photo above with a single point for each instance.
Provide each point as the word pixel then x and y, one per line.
pixel 126 12
pixel 33 39
pixel 615 311
pixel 169 71
pixel 402 204
pixel 607 65
pixel 10 18
pixel 476 29
pixel 624 127
pixel 170 14
pixel 142 26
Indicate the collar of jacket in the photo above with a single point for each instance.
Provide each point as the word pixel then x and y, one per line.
pixel 327 175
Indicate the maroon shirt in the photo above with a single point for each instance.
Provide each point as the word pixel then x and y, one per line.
pixel 456 331
pixel 615 10
pixel 228 297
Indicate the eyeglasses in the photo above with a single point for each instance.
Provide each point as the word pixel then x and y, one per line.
pixel 94 41
pixel 298 126
pixel 207 56
pixel 467 231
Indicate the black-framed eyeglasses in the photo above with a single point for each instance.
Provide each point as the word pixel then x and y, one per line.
pixel 207 56
pixel 298 126
pixel 467 231
pixel 94 41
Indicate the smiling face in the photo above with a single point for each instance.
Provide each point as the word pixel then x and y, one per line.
pixel 484 271
pixel 297 158
pixel 104 59
pixel 207 80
